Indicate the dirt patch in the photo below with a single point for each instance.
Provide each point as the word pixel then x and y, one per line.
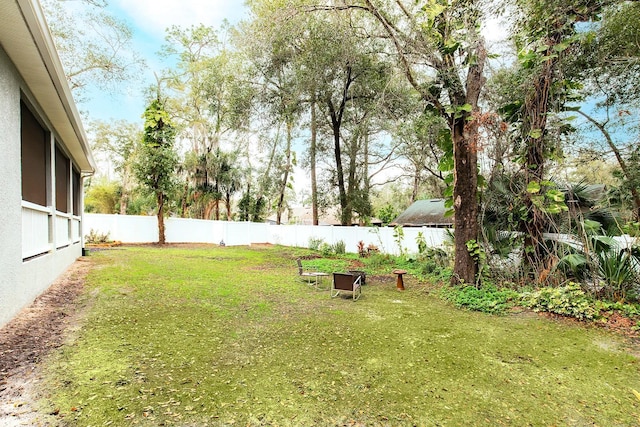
pixel 31 336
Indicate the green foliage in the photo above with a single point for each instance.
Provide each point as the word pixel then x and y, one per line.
pixel 421 242
pixel 569 300
pixel 434 263
pixel 156 161
pixel 619 270
pixel 325 249
pixel 627 309
pixel 398 237
pixel 251 208
pixel 632 228
pixel 381 262
pixel 387 214
pixel 339 247
pixel 95 236
pixel 94 46
pixel 315 243
pixel 476 251
pixel 102 196
pixel 546 197
pixel 487 299
pixel 614 269
pixel 141 203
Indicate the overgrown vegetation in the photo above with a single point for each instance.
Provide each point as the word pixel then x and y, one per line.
pixel 487 299
pixel 225 335
pixel 569 300
pixel 95 237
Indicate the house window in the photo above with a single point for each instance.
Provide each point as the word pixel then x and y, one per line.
pixel 34 152
pixel 77 191
pixel 62 181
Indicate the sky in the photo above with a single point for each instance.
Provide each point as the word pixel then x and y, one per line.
pixel 148 19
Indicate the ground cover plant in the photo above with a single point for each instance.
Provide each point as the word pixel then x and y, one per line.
pixel 224 335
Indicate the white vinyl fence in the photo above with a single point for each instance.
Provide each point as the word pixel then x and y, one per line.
pixel 144 229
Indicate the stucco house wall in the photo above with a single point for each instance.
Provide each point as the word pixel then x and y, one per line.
pixel 31 77
pixel 10 225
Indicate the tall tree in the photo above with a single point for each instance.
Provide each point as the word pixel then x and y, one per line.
pixel 442 56
pixel 421 142
pixel 546 31
pixel 95 47
pixel 608 65
pixel 211 106
pixel 157 160
pixel 118 141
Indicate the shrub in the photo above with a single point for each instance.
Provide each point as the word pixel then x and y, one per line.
pixel 326 249
pixel 97 237
pixel 339 247
pixel 315 243
pixel 487 299
pixel 421 242
pixel 361 250
pixel 569 300
pixel 372 249
pixel 626 309
pixel 381 261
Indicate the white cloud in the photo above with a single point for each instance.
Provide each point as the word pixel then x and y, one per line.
pixel 154 16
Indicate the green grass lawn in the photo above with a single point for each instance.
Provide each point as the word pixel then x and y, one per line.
pixel 231 336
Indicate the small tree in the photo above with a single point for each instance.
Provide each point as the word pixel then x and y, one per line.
pixel 157 159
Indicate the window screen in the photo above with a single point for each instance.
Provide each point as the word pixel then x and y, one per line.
pixel 34 142
pixel 77 191
pixel 62 181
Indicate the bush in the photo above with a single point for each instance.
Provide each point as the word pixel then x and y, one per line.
pixel 378 261
pixel 326 249
pixel 568 300
pixel 315 243
pixel 629 310
pixel 487 299
pixel 97 237
pixel 339 247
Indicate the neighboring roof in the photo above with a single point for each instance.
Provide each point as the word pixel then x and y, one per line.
pixel 596 191
pixel 424 213
pixel 304 216
pixel 25 37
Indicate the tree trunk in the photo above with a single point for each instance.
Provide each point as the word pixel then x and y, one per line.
pixel 352 185
pixel 366 179
pixel 183 213
pixel 416 185
pixel 227 202
pixel 216 189
pixel 465 178
pixel 465 201
pixel 161 218
pixel 123 203
pixel 208 209
pixel 312 155
pixel 535 124
pixel 285 178
pixel 335 126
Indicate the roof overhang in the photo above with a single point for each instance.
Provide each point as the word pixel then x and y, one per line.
pixel 25 37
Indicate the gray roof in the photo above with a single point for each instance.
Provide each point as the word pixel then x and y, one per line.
pixel 424 213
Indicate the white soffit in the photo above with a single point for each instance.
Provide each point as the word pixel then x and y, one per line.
pixel 26 39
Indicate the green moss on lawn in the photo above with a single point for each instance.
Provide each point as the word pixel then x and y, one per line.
pixel 216 336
